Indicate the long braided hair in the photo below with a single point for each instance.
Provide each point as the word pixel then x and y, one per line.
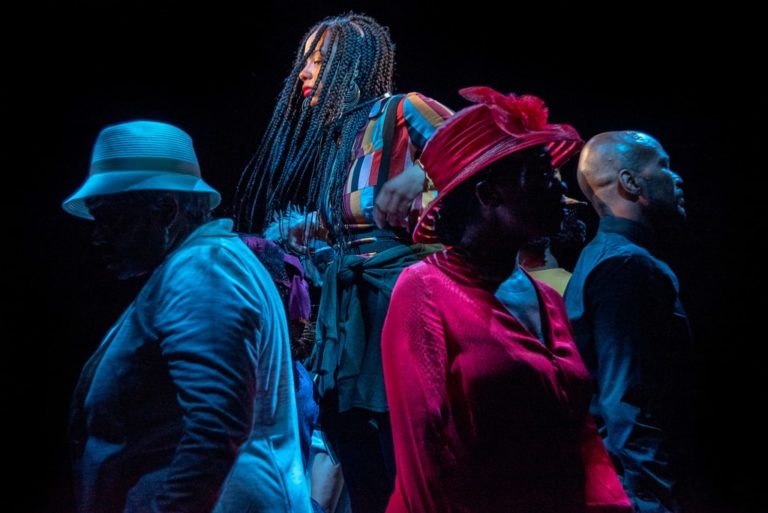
pixel 306 151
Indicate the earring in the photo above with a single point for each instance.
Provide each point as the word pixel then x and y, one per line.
pixel 352 96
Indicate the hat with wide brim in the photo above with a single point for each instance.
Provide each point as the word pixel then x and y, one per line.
pixel 497 125
pixel 140 156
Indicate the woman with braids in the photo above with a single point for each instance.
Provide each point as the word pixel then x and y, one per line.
pixel 342 145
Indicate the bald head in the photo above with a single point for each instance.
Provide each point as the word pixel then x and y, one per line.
pixel 604 156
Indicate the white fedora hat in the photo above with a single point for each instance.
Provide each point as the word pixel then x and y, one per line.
pixel 140 156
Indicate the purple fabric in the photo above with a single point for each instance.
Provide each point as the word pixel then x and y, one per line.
pixel 299 304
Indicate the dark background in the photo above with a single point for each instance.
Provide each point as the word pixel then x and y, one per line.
pixel 215 70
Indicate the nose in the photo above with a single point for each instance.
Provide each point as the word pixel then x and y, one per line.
pixel 677 180
pixel 306 72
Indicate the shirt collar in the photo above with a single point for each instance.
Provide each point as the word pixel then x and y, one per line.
pixel 632 230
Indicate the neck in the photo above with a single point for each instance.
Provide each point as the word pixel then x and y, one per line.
pixel 492 263
pixel 631 210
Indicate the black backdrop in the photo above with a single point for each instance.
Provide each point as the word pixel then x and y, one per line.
pixel 215 71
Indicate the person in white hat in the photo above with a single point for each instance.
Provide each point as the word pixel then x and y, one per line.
pixel 187 405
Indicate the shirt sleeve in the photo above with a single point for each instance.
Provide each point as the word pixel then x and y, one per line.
pixel 631 302
pixel 206 331
pixel 415 374
pixel 422 117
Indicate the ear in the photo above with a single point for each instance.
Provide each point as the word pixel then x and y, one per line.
pixel 487 193
pixel 628 182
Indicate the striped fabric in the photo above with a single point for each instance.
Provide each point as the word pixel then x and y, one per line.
pixel 417 119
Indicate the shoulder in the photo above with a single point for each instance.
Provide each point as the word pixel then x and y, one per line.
pixel 419 116
pixel 222 252
pixel 610 253
pixel 416 275
pixel 418 103
pixel 629 264
pixel 215 265
pixel 421 278
pixel 631 279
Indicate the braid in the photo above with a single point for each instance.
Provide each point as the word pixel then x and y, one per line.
pixel 306 151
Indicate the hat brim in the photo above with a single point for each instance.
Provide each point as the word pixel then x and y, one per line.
pixel 561 150
pixel 103 184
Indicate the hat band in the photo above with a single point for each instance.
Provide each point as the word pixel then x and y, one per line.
pixel 145 164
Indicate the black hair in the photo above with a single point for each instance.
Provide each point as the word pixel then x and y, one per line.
pixel 306 151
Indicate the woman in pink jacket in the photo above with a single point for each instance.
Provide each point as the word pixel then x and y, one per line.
pixel 487 393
